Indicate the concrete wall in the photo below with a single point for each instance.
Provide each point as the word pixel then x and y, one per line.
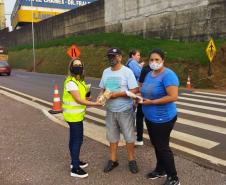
pixel 171 19
pixel 85 19
pixel 174 19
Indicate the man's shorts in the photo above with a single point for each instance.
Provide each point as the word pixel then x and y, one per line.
pixel 123 122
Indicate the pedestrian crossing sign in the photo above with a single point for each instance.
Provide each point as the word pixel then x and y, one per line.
pixel 211 50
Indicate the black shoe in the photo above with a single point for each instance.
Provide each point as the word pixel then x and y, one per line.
pixel 133 166
pixel 110 166
pixel 83 164
pixel 156 175
pixel 78 173
pixel 172 181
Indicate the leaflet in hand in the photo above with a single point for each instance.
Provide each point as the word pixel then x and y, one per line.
pixel 132 95
pixel 104 97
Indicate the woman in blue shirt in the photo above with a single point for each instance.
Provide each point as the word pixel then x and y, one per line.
pixel 160 91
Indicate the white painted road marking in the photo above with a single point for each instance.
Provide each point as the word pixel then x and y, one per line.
pixel 201 96
pixel 201 155
pixel 202 101
pixel 201 114
pixel 203 126
pixel 207 93
pixel 201 107
pixel 212 159
pixel 198 141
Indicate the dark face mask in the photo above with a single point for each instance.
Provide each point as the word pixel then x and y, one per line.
pixel 112 62
pixel 76 70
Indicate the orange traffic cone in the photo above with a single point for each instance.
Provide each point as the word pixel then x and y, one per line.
pixel 56 102
pixel 188 86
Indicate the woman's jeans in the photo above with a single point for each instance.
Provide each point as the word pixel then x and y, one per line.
pixel 159 134
pixel 75 142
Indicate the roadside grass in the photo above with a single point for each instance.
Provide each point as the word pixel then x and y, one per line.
pixel 183 57
pixel 192 52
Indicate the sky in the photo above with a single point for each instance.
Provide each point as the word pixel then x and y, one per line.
pixel 9 4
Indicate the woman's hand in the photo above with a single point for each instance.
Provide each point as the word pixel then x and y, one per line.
pixel 146 102
pixel 97 103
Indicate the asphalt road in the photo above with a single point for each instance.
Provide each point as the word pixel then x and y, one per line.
pixel 200 132
pixel 34 151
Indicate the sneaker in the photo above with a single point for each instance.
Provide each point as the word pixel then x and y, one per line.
pixel 172 181
pixel 79 173
pixel 139 143
pixel 133 166
pixel 155 175
pixel 110 166
pixel 81 164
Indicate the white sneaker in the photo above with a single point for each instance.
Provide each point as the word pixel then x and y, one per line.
pixel 139 143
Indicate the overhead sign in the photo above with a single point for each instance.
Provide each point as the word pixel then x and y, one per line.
pixel 66 4
pixel 73 51
pixel 211 50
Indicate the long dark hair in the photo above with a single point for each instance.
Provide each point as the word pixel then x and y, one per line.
pixel 133 52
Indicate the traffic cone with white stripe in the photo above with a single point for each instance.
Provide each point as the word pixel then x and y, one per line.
pixel 188 86
pixel 56 102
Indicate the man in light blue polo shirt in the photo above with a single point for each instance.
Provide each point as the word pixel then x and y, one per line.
pixel 120 114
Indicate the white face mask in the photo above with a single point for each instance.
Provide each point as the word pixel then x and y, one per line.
pixel 155 66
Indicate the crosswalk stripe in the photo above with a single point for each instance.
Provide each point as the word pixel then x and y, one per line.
pixel 201 106
pixel 201 155
pixel 201 96
pixel 215 94
pixel 198 141
pixel 95 119
pixel 203 126
pixel 200 114
pixel 93 128
pixel 219 118
pixel 202 101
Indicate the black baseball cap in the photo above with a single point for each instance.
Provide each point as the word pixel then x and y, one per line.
pixel 114 51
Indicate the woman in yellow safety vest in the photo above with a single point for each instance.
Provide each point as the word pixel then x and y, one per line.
pixel 74 105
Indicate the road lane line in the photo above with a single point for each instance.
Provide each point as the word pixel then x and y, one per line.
pixel 202 101
pixel 201 96
pixel 95 88
pixel 220 118
pixel 212 159
pixel 201 107
pixel 26 95
pixel 201 114
pixel 188 138
pixel 215 94
pixel 198 141
pixel 201 155
pixel 203 126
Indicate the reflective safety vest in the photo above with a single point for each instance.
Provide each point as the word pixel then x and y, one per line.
pixel 73 111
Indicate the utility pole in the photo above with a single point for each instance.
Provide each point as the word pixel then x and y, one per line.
pixel 33 36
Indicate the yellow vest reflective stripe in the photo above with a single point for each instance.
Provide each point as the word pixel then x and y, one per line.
pixel 73 111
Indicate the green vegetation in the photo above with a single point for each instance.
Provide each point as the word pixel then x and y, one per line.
pixel 182 57
pixel 193 52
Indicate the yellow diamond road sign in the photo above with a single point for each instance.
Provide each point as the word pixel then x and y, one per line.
pixel 211 50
